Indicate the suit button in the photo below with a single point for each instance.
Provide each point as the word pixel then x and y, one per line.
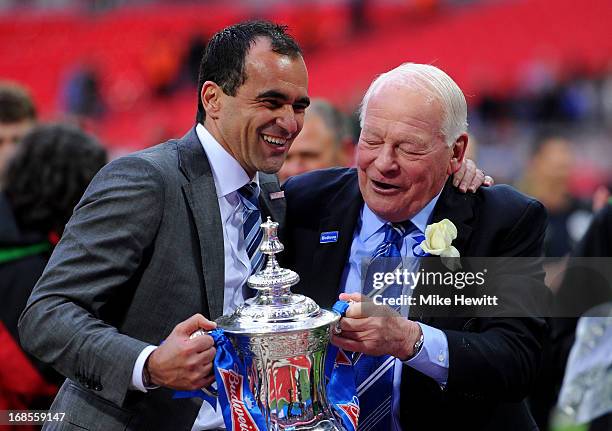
pixel 87 385
pixel 98 387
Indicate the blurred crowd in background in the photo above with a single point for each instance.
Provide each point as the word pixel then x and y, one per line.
pixel 538 76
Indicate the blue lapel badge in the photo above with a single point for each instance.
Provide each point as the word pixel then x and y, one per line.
pixel 329 237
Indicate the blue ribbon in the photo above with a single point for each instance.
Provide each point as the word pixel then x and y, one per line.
pixel 341 388
pixel 240 411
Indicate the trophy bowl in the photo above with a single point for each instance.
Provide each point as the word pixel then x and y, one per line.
pixel 282 338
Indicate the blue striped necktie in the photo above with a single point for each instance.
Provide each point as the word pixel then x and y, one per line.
pixel 374 374
pixel 253 234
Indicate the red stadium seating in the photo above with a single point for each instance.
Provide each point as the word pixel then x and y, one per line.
pixel 481 44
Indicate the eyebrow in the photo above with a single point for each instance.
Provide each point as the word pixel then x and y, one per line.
pixel 274 94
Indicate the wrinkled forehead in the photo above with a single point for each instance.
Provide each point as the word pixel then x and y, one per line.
pixel 394 103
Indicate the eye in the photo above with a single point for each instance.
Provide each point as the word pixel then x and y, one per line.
pixel 412 149
pixel 300 107
pixel 272 103
pixel 370 142
pixel 405 148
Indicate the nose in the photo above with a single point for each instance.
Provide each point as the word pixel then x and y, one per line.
pixel 287 120
pixel 386 161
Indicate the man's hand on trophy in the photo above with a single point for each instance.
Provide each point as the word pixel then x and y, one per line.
pixel 182 362
pixel 375 329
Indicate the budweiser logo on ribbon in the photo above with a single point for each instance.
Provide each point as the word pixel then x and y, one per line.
pixel 351 410
pixel 233 383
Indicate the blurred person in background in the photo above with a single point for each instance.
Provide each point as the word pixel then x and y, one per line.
pixel 324 142
pixel 547 178
pixel 586 292
pixel 81 94
pixel 190 65
pixel 17 116
pixel 43 181
pixel 601 197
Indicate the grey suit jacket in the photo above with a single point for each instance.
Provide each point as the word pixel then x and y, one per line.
pixel 142 252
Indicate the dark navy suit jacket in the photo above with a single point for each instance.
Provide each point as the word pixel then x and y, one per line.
pixel 493 360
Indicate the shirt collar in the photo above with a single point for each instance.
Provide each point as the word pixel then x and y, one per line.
pixel 371 223
pixel 227 172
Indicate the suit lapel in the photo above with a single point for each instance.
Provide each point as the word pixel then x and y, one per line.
pixel 275 208
pixel 330 258
pixel 201 196
pixel 457 207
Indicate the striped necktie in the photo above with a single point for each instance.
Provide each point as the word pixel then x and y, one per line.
pixel 374 374
pixel 387 258
pixel 253 234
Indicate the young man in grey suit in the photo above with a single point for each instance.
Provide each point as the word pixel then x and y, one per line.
pixel 157 243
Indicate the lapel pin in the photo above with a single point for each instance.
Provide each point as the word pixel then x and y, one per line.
pixel 327 237
pixel 277 195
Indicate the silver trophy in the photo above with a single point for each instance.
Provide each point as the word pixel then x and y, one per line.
pixel 282 339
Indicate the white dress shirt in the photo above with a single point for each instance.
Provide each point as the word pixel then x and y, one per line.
pixel 432 360
pixel 228 176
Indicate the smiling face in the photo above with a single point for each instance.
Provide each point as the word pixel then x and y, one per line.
pixel 258 125
pixel 402 158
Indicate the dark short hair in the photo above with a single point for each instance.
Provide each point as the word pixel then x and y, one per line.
pixel 15 103
pixel 223 59
pixel 48 173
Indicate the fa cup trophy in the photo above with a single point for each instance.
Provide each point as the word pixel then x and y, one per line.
pixel 281 341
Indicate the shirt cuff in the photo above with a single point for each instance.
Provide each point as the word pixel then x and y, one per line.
pixel 432 360
pixel 137 383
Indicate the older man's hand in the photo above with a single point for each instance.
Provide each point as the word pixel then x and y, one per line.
pixel 470 178
pixel 375 329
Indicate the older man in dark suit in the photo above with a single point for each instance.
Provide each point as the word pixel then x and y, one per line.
pixel 425 371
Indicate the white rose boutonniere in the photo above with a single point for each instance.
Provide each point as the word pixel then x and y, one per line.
pixel 438 241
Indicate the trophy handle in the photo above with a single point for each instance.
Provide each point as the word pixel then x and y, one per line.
pixel 208 391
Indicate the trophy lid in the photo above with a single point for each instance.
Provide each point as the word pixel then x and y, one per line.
pixel 275 308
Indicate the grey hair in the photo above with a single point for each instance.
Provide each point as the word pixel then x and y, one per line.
pixel 334 120
pixel 434 81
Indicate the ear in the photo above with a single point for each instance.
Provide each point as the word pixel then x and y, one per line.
pixel 211 99
pixel 459 147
